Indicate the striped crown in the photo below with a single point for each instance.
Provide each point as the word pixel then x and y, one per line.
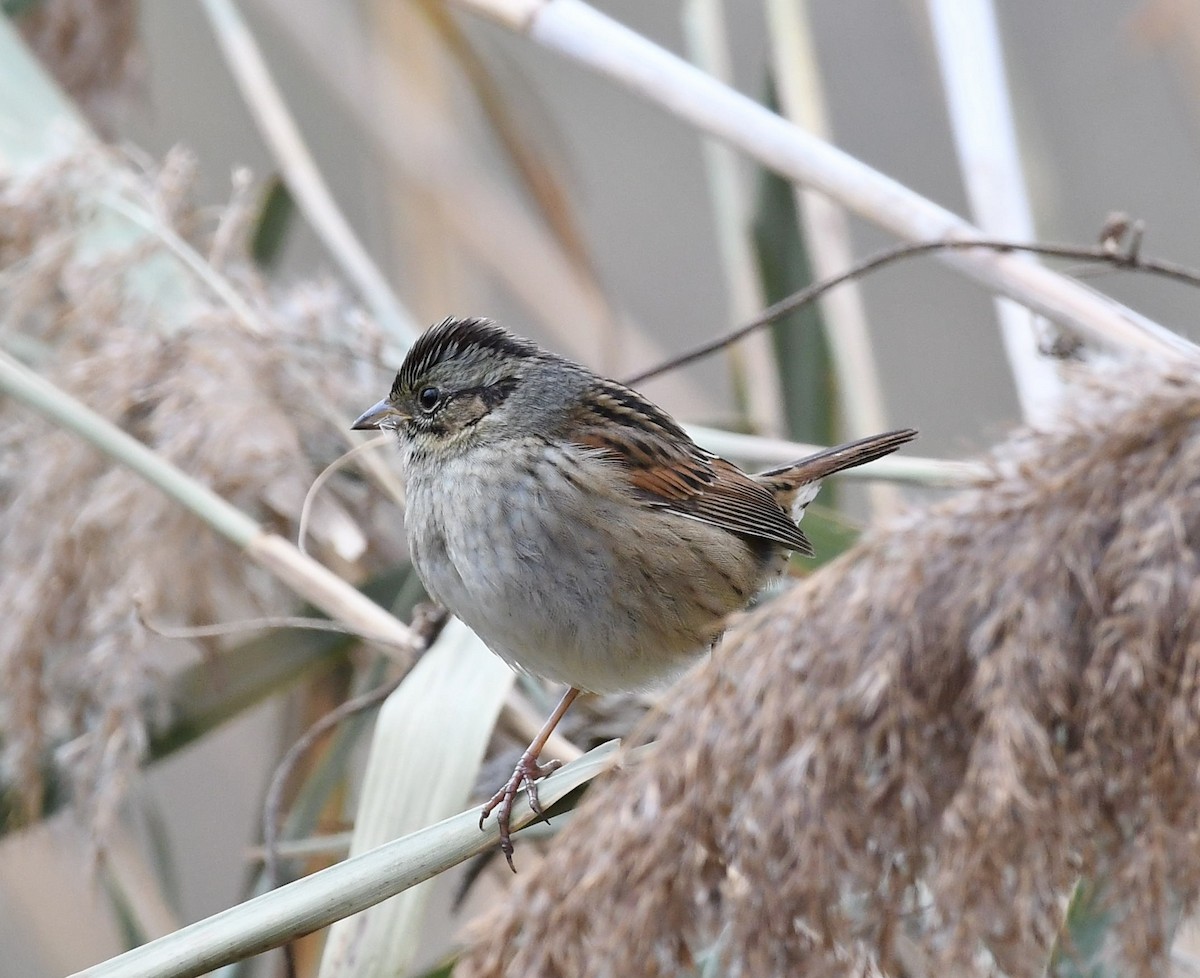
pixel 454 337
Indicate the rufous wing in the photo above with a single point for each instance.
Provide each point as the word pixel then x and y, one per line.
pixel 666 469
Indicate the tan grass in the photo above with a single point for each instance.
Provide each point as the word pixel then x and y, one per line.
pixel 917 751
pixel 81 539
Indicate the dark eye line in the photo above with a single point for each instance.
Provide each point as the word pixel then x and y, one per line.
pixel 492 393
pixel 492 396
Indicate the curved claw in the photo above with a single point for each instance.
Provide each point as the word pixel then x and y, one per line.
pixel 526 774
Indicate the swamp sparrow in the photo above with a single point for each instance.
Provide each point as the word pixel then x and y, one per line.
pixel 573 525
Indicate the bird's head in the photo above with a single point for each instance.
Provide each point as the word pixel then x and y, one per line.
pixel 462 381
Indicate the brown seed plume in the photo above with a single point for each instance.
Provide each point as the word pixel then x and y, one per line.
pixel 82 540
pixel 94 51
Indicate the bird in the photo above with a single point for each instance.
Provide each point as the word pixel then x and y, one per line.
pixel 574 525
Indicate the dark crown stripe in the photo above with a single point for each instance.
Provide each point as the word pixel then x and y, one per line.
pixel 452 337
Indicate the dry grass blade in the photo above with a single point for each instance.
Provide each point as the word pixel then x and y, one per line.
pixel 304 178
pixel 971 58
pixel 921 748
pixel 473 205
pixel 827 239
pixel 729 192
pixel 547 191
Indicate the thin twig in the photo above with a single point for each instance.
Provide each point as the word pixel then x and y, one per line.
pixel 350 886
pixel 330 844
pixel 1130 259
pixel 256 624
pixel 324 476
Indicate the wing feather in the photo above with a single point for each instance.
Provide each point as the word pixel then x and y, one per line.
pixel 667 470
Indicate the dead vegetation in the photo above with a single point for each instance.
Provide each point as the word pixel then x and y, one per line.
pixel 94 51
pixel 254 416
pixel 907 762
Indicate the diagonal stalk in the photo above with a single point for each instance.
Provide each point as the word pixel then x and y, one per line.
pixel 578 31
pixel 309 579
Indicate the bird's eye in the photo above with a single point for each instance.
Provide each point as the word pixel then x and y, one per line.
pixel 429 398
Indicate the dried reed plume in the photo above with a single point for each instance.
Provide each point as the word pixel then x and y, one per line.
pixel 81 539
pixel 907 761
pixel 93 49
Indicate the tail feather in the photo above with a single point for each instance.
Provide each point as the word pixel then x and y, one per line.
pixel 787 481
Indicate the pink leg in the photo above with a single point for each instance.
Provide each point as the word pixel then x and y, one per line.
pixel 526 774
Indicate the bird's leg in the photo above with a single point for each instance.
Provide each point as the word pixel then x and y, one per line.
pixel 527 772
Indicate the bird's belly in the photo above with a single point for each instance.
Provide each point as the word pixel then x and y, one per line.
pixel 570 591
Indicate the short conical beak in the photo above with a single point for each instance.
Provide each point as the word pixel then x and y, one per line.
pixel 374 417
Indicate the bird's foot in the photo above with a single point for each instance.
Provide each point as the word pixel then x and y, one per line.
pixel 527 773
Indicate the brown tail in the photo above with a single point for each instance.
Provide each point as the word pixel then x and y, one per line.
pixel 788 478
